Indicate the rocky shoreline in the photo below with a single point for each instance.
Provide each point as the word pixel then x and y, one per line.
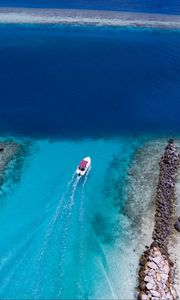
pixel 156 274
pixel 8 151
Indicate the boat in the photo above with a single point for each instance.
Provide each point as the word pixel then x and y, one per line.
pixel 83 166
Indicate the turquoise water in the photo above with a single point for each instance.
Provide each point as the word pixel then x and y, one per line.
pixel 60 232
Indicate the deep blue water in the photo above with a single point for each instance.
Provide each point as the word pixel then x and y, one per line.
pixel 65 81
pixel 151 6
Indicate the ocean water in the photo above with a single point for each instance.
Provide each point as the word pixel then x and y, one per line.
pixel 59 231
pixel 155 6
pixel 72 92
pixel 88 82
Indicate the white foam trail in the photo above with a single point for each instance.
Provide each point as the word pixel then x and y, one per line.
pixel 86 176
pixel 58 213
pixel 66 228
pixel 54 218
pixel 81 217
pixel 71 203
pixel 102 264
pixel 113 295
pixel 81 284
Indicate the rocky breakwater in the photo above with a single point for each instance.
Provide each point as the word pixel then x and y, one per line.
pixel 8 151
pixel 156 275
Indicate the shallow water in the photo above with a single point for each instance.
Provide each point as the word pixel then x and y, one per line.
pixel 59 231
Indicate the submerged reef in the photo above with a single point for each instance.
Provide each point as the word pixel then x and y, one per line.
pixel 8 151
pixel 11 15
pixel 156 274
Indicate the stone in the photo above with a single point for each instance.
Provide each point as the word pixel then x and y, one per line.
pixel 146 269
pixel 177 225
pixel 152 265
pixel 141 273
pixel 156 253
pixel 173 292
pixel 166 269
pixel 143 296
pixel 168 296
pixel 155 293
pixel 157 259
pixel 164 277
pixel 142 261
pixel 142 286
pixel 158 277
pixel 150 285
pixel 162 292
pixel 147 278
pixel 152 272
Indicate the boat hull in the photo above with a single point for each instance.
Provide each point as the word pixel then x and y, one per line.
pixel 81 172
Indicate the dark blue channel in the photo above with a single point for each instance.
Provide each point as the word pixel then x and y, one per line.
pixel 151 6
pixel 78 81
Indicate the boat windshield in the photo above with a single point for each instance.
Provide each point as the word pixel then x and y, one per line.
pixel 82 169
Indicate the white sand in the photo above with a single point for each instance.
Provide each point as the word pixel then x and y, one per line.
pixel 86 17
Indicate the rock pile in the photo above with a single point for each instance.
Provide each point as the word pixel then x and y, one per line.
pixel 156 276
pixel 165 204
pixel 156 272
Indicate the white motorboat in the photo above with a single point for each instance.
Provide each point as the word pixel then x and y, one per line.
pixel 83 166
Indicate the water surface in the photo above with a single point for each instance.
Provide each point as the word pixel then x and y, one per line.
pixel 155 6
pixel 86 89
pixel 82 81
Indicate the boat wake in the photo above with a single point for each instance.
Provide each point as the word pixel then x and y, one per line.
pixel 61 223
pixel 55 217
pixel 82 284
pixel 65 240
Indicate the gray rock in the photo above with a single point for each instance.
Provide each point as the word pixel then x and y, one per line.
pixel 155 293
pixel 157 259
pixel 150 285
pixel 143 296
pixel 147 278
pixel 152 265
pixel 169 296
pixel 164 277
pixel 177 225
